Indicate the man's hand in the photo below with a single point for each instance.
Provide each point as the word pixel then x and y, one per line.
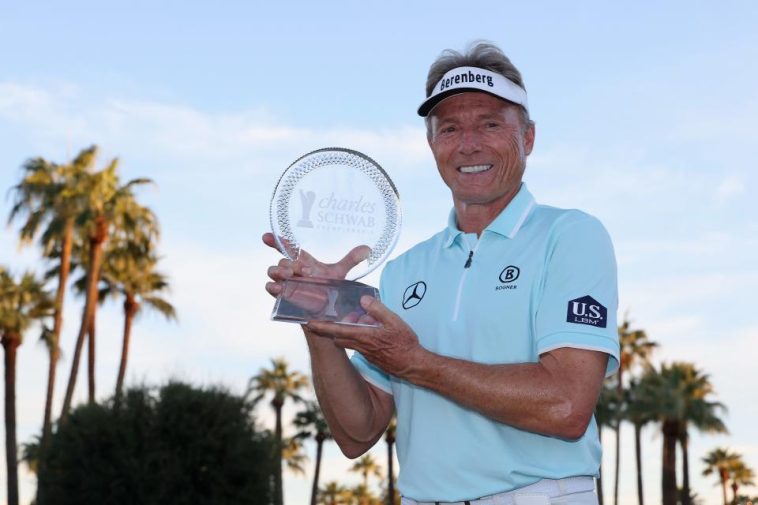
pixel 393 347
pixel 308 266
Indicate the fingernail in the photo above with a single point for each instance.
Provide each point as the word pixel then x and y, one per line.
pixel 306 270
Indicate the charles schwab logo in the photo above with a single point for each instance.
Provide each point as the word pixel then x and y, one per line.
pixel 414 294
pixel 587 310
pixel 332 213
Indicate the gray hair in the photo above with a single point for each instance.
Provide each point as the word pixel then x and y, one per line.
pixel 478 54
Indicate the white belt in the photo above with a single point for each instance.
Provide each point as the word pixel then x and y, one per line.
pixel 549 487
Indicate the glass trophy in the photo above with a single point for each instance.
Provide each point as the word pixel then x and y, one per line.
pixel 327 203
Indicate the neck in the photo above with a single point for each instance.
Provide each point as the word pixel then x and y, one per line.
pixel 475 217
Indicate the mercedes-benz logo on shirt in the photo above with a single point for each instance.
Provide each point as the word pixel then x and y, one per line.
pixel 414 294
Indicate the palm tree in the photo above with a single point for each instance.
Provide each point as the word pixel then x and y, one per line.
pixel 129 270
pixel 109 206
pixel 311 423
pixel 294 456
pixel 634 348
pixel 681 393
pixel 389 437
pixel 740 475
pixel 718 461
pixel 21 303
pixel 52 195
pixel 366 466
pixel 30 454
pixel 362 495
pixel 638 410
pixel 605 416
pixel 282 384
pixel 332 493
pixel 700 413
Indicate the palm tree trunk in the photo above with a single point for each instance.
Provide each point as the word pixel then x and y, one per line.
pixel 600 468
pixel 724 476
pixel 317 472
pixel 735 487
pixel 60 296
pixel 685 467
pixel 668 477
pixel 96 253
pixel 130 309
pixel 278 492
pixel 390 472
pixel 91 357
pixel 10 345
pixel 619 398
pixel 638 454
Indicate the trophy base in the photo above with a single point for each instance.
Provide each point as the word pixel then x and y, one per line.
pixel 312 299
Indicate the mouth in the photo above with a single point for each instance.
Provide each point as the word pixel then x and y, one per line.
pixel 474 169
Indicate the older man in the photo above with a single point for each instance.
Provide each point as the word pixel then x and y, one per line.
pixel 496 333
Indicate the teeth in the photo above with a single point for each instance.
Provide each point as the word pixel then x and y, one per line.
pixel 475 169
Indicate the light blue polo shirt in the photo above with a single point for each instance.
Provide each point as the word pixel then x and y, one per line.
pixel 539 278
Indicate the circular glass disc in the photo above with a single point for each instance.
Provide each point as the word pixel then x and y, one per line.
pixel 332 200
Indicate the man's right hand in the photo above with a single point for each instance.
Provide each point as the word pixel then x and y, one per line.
pixel 308 266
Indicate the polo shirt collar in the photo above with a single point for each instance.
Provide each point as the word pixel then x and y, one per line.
pixel 507 223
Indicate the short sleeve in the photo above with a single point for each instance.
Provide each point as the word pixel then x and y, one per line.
pixel 579 297
pixel 373 374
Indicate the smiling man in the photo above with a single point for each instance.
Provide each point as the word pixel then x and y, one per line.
pixel 496 333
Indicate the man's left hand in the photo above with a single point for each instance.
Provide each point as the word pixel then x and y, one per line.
pixel 393 346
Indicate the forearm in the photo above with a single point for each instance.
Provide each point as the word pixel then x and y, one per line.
pixel 356 415
pixel 539 397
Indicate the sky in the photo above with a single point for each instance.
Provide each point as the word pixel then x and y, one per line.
pixel 645 118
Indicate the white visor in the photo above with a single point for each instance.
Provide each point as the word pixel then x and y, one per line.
pixel 461 79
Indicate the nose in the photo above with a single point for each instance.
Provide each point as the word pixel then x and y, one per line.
pixel 469 141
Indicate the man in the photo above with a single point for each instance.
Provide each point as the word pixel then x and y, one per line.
pixel 496 333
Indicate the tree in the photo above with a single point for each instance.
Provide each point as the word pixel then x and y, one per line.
pixel 30 454
pixel 638 410
pixel 294 456
pixel 740 475
pixel 109 206
pixel 389 437
pixel 366 466
pixel 680 392
pixel 282 384
pixel 605 416
pixel 719 461
pixel 362 495
pixel 311 423
pixel 52 196
pixel 635 348
pixel 700 413
pixel 332 493
pixel 129 270
pixel 22 303
pixel 180 445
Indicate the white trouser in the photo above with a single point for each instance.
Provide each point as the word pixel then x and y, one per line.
pixel 568 491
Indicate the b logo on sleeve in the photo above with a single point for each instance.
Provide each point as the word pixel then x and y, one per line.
pixel 587 310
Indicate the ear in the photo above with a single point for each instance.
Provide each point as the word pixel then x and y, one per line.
pixel 529 138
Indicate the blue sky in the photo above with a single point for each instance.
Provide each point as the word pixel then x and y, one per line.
pixel 645 117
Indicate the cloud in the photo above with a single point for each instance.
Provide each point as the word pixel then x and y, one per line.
pixel 731 187
pixel 230 141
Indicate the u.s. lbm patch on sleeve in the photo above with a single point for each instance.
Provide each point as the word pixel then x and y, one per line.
pixel 587 310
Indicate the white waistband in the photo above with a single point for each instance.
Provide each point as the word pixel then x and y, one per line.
pixel 550 487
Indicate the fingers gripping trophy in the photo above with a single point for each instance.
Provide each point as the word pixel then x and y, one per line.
pixel 335 216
